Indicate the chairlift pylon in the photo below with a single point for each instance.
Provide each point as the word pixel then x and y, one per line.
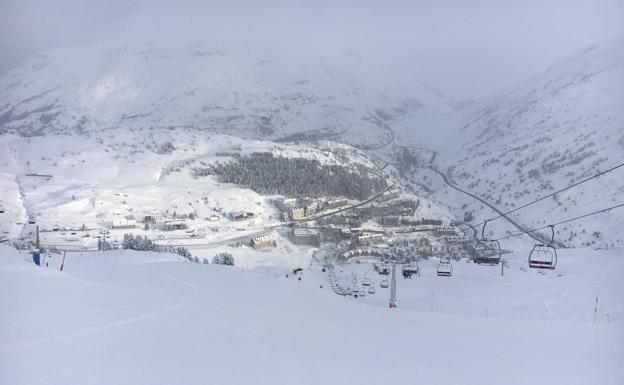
pixel 544 256
pixel 486 251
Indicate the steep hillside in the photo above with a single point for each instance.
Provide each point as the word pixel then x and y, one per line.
pixel 561 126
pixel 242 93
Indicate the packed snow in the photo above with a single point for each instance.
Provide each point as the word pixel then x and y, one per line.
pixel 128 317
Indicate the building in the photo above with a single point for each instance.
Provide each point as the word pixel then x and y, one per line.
pixel 440 231
pixel 456 243
pixel 172 226
pixel 391 221
pixel 286 203
pixel 148 217
pixel 369 239
pixel 296 213
pixel 336 203
pixel 345 233
pixel 305 236
pixel 310 209
pixel 127 222
pixel 242 215
pixel 262 241
pixel 455 239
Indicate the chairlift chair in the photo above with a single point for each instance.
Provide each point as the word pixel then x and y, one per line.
pixel 31 220
pixel 1 208
pixel 384 269
pixel 371 289
pixel 384 284
pixel 445 268
pixel 486 251
pixel 544 256
pixel 409 269
pixel 366 281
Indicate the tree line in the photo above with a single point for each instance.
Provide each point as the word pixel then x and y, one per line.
pixel 298 177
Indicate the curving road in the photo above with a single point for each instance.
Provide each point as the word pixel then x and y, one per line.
pixel 517 225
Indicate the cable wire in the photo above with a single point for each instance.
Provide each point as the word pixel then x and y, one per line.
pixel 553 194
pixel 562 222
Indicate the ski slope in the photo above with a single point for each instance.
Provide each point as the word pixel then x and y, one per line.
pixel 126 317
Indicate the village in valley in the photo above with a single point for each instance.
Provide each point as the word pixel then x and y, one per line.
pixel 361 216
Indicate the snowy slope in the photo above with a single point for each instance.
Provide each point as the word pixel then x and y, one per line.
pixel 237 92
pixel 139 318
pixel 559 127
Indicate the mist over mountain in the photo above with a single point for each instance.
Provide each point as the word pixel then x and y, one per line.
pixel 246 93
pixel 561 126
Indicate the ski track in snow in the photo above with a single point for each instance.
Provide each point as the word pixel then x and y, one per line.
pixel 116 324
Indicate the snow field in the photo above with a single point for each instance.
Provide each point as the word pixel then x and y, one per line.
pixel 128 317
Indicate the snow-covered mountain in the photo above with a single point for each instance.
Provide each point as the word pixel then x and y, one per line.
pixel 246 93
pixel 561 126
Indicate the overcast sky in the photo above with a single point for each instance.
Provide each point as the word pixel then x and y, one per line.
pixel 464 48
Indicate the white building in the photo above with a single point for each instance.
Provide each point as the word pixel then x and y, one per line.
pixel 262 241
pixel 150 217
pixel 369 239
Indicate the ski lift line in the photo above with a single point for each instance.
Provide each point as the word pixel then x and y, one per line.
pixel 555 193
pixel 562 222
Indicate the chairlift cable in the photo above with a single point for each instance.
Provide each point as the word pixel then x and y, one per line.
pixel 554 193
pixel 562 222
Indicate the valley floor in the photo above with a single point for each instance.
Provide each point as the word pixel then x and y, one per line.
pixel 125 317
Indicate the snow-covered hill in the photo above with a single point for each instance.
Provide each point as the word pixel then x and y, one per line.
pixel 126 317
pixel 559 127
pixel 236 92
pixel 100 180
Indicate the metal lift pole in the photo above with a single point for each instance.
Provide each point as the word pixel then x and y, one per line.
pixel 393 287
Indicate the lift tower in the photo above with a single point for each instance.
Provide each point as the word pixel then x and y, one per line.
pixel 393 287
